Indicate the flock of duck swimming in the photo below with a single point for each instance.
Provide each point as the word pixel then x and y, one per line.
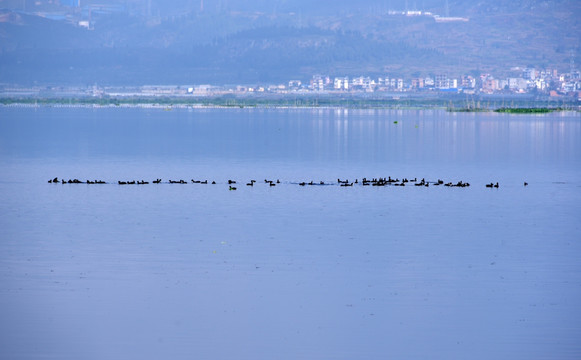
pixel 343 183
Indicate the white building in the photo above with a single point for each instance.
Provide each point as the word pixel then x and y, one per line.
pixel 540 84
pixel 441 81
pixel 363 81
pixel 294 84
pixel 341 83
pixel 529 74
pixel 318 83
pixel 517 84
pixel 400 84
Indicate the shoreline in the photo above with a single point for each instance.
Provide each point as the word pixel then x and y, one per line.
pixel 511 111
pixel 216 106
pixel 452 105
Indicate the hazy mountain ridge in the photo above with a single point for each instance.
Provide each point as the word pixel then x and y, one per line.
pixel 242 46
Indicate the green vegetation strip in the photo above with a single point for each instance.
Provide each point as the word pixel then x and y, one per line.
pixel 527 110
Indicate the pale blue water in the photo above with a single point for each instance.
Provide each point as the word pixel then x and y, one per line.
pixel 289 272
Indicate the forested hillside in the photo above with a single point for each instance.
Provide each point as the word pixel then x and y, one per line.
pixel 273 41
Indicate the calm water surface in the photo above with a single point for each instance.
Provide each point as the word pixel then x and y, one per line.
pixel 288 272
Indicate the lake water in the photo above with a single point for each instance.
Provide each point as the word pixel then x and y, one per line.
pixel 196 271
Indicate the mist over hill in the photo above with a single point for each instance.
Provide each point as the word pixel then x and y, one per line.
pixel 248 41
